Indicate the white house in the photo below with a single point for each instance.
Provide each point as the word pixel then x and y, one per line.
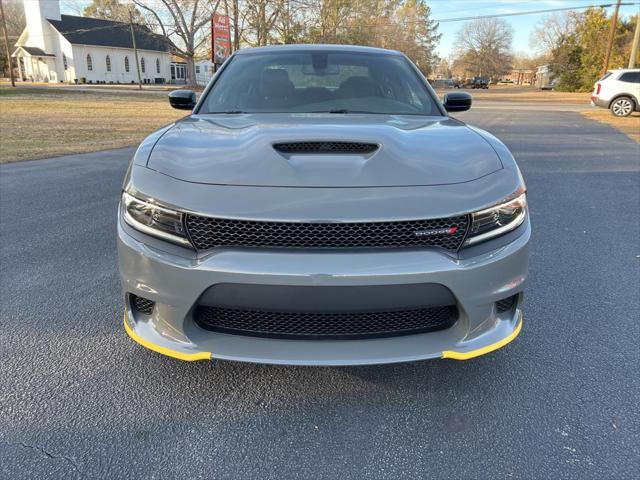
pixel 66 48
pixel 204 71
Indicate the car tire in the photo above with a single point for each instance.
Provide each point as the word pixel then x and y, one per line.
pixel 622 106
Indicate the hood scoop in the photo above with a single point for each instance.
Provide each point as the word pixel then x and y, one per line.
pixel 356 148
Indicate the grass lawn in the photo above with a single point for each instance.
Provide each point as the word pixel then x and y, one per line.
pixel 524 94
pixel 629 125
pixel 42 122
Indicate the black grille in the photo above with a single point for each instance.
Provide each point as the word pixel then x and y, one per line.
pixel 325 147
pixel 316 325
pixel 506 303
pixel 142 305
pixel 207 232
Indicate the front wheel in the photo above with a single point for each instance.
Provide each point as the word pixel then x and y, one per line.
pixel 622 107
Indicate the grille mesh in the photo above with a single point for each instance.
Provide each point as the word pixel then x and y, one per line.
pixel 325 325
pixel 325 147
pixel 207 232
pixel 142 305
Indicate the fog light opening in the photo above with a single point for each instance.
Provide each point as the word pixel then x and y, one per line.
pixel 141 304
pixel 506 304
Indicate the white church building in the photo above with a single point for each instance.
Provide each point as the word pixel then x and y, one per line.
pixel 66 48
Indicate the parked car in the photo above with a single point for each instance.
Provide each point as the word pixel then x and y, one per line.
pixel 320 206
pixel 619 91
pixel 444 84
pixel 480 82
pixel 551 85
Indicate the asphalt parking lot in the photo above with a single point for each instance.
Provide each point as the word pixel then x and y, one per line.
pixel 79 399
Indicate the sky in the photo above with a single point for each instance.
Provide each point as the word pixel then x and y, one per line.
pixel 444 9
pixel 522 25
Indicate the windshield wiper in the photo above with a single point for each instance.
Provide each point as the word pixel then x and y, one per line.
pixel 229 112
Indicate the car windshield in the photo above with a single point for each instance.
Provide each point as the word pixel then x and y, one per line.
pixel 319 82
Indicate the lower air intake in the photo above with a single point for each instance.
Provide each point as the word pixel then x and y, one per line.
pixel 318 325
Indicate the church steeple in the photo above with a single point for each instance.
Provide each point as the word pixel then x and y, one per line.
pixel 37 12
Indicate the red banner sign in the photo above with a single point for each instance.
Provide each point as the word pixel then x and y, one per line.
pixel 220 38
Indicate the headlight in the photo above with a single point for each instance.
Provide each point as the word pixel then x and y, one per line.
pixel 495 221
pixel 154 220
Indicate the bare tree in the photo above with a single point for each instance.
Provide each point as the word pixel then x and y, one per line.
pixel 485 46
pixel 549 33
pixel 235 20
pixel 404 25
pixel 401 24
pixel 291 24
pixel 261 17
pixel 15 23
pixel 182 22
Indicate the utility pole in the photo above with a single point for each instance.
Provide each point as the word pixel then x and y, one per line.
pixel 135 49
pixel 6 46
pixel 612 34
pixel 634 45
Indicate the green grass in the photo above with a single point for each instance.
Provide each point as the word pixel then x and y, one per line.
pixel 47 122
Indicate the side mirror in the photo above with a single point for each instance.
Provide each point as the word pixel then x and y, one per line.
pixel 457 101
pixel 182 99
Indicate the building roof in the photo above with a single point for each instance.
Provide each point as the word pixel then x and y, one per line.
pixel 37 52
pixel 107 33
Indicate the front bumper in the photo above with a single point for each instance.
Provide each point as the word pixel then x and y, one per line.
pixel 176 283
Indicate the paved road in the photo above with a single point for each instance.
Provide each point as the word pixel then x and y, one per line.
pixel 78 399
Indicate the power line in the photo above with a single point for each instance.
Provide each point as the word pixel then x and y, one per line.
pixel 476 17
pixel 530 12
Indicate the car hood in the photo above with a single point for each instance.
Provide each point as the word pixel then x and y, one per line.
pixel 237 149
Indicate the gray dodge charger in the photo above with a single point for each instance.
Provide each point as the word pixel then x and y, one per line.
pixel 319 206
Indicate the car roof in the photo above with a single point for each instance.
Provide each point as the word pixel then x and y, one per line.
pixel 321 47
pixel 625 70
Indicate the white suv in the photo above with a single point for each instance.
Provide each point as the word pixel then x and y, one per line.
pixel 619 91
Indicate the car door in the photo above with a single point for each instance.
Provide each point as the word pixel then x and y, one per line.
pixel 629 82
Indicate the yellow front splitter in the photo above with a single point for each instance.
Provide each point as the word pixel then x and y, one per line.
pixel 489 348
pixel 192 357
pixel 187 357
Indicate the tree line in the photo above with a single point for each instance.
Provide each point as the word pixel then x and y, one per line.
pixel 404 25
pixel 574 45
